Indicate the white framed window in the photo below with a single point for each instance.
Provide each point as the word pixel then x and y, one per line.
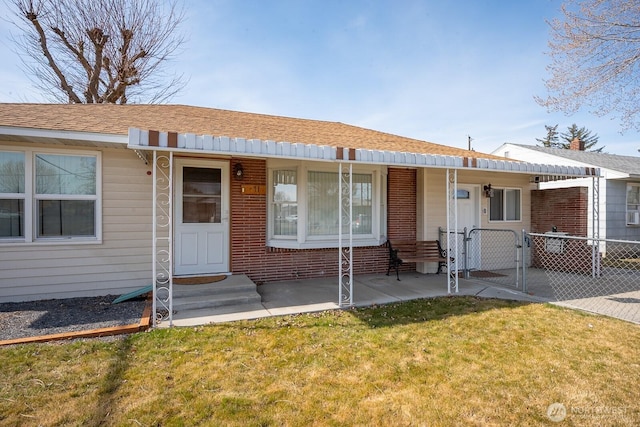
pixel 49 196
pixel 633 204
pixel 505 204
pixel 12 194
pixel 284 204
pixel 304 205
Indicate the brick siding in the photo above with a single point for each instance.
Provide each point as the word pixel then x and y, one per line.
pixel 566 209
pixel 251 256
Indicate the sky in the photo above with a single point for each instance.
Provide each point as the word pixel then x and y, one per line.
pixel 435 70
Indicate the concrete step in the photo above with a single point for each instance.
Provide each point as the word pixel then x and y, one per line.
pixel 201 302
pixel 235 291
pixel 224 313
pixel 217 288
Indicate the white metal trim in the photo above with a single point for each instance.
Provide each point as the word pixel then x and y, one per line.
pixel 191 143
pixel 64 134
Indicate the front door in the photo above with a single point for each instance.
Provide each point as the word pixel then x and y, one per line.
pixel 469 217
pixel 201 217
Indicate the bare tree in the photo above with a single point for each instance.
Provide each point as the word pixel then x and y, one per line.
pixel 100 51
pixel 595 55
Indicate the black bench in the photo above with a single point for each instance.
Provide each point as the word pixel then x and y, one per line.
pixel 408 251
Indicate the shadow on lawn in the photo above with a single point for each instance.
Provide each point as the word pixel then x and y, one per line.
pixel 428 309
pixel 111 382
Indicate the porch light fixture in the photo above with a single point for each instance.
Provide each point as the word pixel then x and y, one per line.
pixel 488 191
pixel 238 171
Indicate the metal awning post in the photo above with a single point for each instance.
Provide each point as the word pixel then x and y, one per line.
pixel 595 232
pixel 162 269
pixel 345 254
pixel 452 229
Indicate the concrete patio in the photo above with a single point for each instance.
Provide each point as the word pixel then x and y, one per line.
pixel 303 296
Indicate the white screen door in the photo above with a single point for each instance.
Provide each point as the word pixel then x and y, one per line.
pixel 469 217
pixel 201 217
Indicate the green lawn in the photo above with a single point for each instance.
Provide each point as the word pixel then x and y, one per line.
pixel 446 361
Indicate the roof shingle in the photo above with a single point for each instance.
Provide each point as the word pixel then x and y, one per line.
pixel 624 164
pixel 117 119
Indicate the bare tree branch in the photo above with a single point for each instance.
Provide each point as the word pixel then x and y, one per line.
pixel 113 51
pixel 595 59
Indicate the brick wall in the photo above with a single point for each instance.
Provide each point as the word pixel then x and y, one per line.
pixel 251 256
pixel 402 204
pixel 566 209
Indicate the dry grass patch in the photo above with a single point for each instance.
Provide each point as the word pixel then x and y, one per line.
pixel 446 361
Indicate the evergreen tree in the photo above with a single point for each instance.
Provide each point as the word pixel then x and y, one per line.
pixel 554 139
pixel 583 134
pixel 551 140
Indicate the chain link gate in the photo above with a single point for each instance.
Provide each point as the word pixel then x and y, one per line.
pixel 601 276
pixel 493 256
pixel 488 254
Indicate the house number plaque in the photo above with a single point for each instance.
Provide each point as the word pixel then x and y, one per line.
pixel 254 189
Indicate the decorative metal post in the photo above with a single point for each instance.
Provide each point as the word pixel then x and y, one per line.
pixel 162 243
pixel 345 213
pixel 452 229
pixel 595 233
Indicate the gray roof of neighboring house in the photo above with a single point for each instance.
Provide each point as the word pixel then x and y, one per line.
pixel 624 164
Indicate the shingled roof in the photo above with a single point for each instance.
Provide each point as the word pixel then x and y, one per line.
pixel 625 164
pixel 117 119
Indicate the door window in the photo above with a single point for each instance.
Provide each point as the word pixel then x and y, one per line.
pixel 201 195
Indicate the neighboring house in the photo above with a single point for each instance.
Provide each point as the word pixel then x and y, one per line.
pixel 619 185
pixel 249 194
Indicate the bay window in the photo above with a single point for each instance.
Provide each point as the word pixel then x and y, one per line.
pixel 304 206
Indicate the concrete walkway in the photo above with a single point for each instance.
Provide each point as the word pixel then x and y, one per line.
pixel 304 296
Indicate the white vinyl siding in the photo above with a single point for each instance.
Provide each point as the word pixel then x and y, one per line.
pixel 432 212
pixel 120 263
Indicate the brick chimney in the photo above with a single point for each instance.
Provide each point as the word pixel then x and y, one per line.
pixel 576 144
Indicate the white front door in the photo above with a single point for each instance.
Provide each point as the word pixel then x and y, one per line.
pixel 469 217
pixel 201 217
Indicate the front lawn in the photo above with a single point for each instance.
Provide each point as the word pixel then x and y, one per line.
pixel 445 361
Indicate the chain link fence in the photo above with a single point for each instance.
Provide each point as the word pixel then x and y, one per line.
pixel 599 276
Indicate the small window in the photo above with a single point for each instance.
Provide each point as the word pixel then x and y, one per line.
pixel 633 204
pixel 462 194
pixel 505 205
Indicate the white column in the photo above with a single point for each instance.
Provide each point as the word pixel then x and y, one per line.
pixel 345 253
pixel 452 229
pixel 162 268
